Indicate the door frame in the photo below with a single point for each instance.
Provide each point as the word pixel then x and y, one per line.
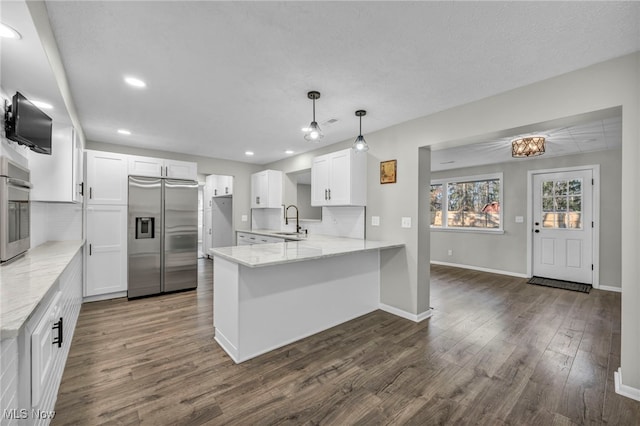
pixel 595 235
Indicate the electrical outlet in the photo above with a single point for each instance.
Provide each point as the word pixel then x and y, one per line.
pixel 450 252
pixel 519 219
pixel 245 218
pixel 375 220
pixel 406 222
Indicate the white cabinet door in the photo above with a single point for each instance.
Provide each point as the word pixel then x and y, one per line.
pixel 224 186
pixel 145 166
pixel 207 236
pixel 180 169
pixel 53 176
pixel 43 351
pixel 107 250
pixel 320 181
pixel 266 189
pixel 340 178
pixel 78 169
pixel 107 179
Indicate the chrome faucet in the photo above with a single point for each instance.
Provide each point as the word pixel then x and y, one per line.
pixel 286 217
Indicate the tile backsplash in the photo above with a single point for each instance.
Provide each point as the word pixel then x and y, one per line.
pixel 55 222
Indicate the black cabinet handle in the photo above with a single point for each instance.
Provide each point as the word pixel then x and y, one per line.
pixel 90 192
pixel 89 249
pixel 82 189
pixel 59 338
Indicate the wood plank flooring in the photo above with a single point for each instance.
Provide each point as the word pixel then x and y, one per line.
pixel 496 351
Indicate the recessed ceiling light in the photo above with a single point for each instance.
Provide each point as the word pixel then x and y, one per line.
pixel 248 153
pixel 135 82
pixel 124 132
pixel 8 32
pixel 42 105
pixel 288 151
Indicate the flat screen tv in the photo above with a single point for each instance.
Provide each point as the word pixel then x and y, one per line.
pixel 28 125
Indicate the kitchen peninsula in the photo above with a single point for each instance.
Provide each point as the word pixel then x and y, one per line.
pixel 269 295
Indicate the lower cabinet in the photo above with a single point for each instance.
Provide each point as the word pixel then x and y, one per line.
pixel 35 360
pixel 106 250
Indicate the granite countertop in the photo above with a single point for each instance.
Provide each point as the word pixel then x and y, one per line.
pixel 27 280
pixel 312 247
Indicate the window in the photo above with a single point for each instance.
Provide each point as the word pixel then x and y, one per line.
pixel 562 204
pixel 471 202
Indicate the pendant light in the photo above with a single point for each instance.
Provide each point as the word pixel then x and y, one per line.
pixel 313 132
pixel 360 145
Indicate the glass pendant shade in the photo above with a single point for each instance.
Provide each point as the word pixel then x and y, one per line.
pixel 360 145
pixel 313 132
pixel 529 146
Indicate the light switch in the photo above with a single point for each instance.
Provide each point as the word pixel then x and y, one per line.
pixel 519 219
pixel 375 220
pixel 245 218
pixel 406 222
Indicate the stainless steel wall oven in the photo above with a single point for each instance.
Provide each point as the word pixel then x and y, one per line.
pixel 15 210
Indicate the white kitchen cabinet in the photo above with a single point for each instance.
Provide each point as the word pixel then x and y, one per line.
pixel 219 185
pixel 249 238
pixel 339 179
pixel 207 233
pixel 266 189
pixel 159 167
pixel 58 177
pixel 106 178
pixel 106 250
pixel 44 343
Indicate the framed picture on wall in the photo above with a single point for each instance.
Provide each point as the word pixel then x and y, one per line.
pixel 388 171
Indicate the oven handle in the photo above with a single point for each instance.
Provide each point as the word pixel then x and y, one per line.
pixel 19 183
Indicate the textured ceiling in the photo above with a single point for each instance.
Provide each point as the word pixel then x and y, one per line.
pixel 225 77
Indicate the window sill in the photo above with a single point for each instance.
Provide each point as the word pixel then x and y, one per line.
pixel 468 230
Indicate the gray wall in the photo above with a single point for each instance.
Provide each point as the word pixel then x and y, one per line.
pixel 241 173
pixel 509 250
pixel 304 203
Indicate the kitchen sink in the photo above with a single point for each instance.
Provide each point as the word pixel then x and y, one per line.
pixel 287 233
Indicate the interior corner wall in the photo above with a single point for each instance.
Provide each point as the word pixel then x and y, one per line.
pixel 509 250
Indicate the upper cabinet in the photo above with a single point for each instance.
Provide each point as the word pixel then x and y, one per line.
pixel 339 179
pixel 107 178
pixel 58 177
pixel 266 189
pixel 219 185
pixel 158 167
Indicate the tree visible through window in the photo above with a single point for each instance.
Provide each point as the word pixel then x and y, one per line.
pixel 472 202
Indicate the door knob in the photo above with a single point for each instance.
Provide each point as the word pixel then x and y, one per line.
pixel 536 231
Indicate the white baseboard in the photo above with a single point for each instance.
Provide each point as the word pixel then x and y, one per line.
pixel 406 315
pixel 625 390
pixel 480 268
pixel 104 297
pixel 610 288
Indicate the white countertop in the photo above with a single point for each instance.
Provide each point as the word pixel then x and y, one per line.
pixel 278 234
pixel 312 247
pixel 26 281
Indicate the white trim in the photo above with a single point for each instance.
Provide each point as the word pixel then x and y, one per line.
pixel 624 390
pixel 610 288
pixel 107 296
pixel 595 239
pixel 406 315
pixel 480 268
pixel 226 345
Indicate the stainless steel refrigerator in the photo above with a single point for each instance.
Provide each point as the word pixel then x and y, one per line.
pixel 162 235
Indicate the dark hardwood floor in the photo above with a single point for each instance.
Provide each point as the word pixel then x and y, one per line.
pixel 496 351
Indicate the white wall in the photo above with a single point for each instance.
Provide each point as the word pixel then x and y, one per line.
pixel 509 250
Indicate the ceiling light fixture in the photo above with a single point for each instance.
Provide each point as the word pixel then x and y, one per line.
pixel 360 145
pixel 42 105
pixel 528 146
pixel 288 152
pixel 248 153
pixel 313 132
pixel 124 132
pixel 135 82
pixel 8 32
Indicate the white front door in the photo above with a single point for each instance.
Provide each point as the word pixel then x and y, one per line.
pixel 562 225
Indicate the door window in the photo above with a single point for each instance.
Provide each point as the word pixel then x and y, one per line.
pixel 562 204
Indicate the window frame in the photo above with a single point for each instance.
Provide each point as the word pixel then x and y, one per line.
pixel 445 202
